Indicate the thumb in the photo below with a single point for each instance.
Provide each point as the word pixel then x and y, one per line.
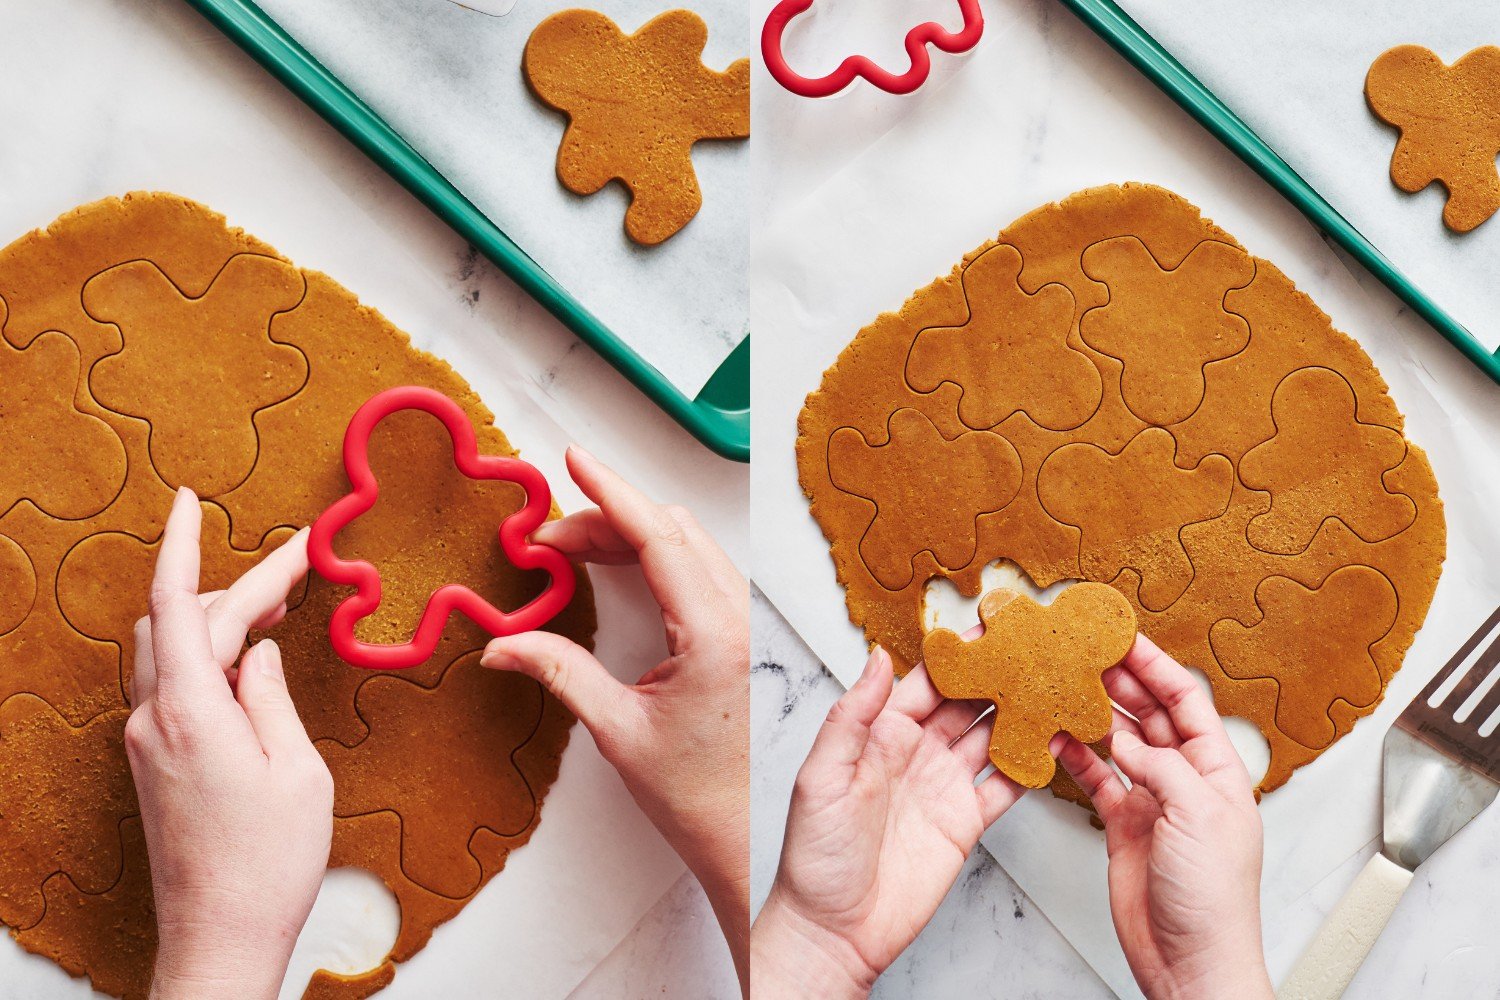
pixel 262 693
pixel 567 670
pixel 845 732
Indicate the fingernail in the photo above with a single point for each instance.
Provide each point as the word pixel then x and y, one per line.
pixel 879 660
pixel 1124 740
pixel 497 659
pixel 582 452
pixel 266 660
pixel 1054 747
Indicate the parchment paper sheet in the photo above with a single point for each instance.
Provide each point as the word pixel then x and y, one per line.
pixel 448 79
pixel 1043 108
pixel 1295 72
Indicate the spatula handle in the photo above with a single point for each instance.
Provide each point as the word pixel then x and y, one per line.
pixel 1328 966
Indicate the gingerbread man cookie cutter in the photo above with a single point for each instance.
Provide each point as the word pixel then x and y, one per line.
pixel 857 66
pixel 365 578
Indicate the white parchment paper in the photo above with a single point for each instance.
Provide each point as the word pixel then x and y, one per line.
pixel 1043 108
pixel 448 79
pixel 1295 72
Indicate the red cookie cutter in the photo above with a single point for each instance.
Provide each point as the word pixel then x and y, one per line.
pixel 365 578
pixel 917 40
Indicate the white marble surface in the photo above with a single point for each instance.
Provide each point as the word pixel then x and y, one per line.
pixel 100 97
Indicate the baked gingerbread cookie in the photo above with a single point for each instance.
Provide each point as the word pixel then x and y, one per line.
pixel 1449 117
pixel 636 104
pixel 1189 429
pixel 146 344
pixel 1042 665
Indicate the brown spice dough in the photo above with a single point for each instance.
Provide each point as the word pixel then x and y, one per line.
pixel 896 476
pixel 1122 533
pixel 636 104
pixel 1042 666
pixel 268 467
pixel 1449 117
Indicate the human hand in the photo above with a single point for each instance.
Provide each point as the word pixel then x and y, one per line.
pixel 236 804
pixel 1184 840
pixel 680 735
pixel 883 814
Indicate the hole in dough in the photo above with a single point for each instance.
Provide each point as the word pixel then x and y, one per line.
pixel 944 607
pixel 351 929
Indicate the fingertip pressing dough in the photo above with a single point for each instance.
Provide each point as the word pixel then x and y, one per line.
pixel 1042 666
pixel 1209 445
pixel 146 343
pixel 1449 117
pixel 636 104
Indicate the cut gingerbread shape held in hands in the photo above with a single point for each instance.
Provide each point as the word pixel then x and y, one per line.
pixel 1131 507
pixel 982 472
pixel 636 104
pixel 1323 463
pixel 1449 117
pixel 1165 324
pixel 1042 666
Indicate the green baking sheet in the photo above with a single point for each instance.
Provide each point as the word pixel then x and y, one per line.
pixel 720 414
pixel 1128 38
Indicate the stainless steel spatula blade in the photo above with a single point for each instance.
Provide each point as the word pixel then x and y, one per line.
pixel 1439 774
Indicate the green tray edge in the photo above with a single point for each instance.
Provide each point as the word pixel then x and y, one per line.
pixel 1127 37
pixel 719 417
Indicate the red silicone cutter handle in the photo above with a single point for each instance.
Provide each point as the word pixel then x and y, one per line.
pixel 365 578
pixel 917 40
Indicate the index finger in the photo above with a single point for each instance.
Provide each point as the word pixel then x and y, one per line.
pixel 180 643
pixel 676 573
pixel 255 597
pixel 1190 708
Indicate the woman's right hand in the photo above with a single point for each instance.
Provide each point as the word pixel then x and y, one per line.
pixel 884 812
pixel 1184 840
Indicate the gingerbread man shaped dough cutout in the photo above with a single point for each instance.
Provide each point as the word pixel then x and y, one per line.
pixel 985 469
pixel 1042 666
pixel 1449 117
pixel 636 104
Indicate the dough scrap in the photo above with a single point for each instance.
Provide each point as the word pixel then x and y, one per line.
pixel 636 104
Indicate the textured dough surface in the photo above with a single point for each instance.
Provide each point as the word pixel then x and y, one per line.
pixel 1217 451
pixel 635 106
pixel 1449 117
pixel 1042 665
pixel 145 345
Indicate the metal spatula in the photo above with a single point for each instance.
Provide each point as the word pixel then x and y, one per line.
pixel 1439 774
